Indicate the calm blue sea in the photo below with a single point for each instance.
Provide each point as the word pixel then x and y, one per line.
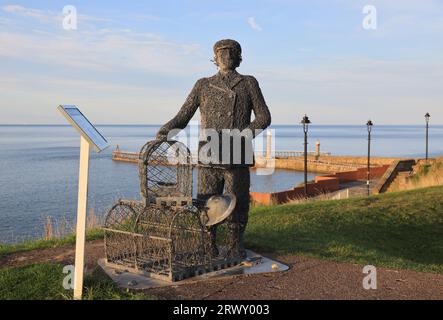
pixel 39 167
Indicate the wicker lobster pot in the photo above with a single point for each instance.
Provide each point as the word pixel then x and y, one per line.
pixel 165 170
pixel 120 233
pixel 164 235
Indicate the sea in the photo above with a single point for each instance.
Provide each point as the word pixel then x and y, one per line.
pixel 39 166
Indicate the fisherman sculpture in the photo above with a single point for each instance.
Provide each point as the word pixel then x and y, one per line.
pixel 226 102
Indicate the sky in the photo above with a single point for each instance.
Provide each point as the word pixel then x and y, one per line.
pixel 134 62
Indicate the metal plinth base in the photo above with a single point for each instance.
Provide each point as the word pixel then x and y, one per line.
pixel 254 263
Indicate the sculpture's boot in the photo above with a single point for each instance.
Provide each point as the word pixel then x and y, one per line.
pixel 214 249
pixel 236 246
pixel 241 243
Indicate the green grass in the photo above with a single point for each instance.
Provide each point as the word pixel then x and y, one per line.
pixel 398 230
pixel 44 281
pixel 5 249
pixel 428 172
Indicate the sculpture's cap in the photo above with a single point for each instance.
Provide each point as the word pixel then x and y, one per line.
pixel 227 43
pixel 219 208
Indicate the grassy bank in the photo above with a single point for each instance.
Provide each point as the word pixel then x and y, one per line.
pixel 396 230
pixel 5 249
pixel 45 281
pixel 427 175
pixel 401 230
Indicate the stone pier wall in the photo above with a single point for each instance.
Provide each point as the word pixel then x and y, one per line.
pixel 322 184
pixel 326 164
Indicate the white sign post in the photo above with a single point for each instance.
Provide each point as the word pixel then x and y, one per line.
pixel 89 135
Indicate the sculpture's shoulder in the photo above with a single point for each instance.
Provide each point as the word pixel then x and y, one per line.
pixel 250 79
pixel 251 82
pixel 202 82
pixel 211 79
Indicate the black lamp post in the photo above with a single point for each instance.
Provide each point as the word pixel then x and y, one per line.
pixel 369 125
pixel 427 117
pixel 305 122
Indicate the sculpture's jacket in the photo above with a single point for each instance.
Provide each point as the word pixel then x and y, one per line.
pixel 224 105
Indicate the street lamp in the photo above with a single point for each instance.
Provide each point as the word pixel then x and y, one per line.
pixel 427 117
pixel 305 122
pixel 369 125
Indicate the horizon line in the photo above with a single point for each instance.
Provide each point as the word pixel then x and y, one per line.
pixel 151 124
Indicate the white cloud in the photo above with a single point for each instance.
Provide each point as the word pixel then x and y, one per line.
pixel 94 66
pixel 48 16
pixel 91 47
pixel 27 12
pixel 253 24
pixel 98 51
pixel 39 15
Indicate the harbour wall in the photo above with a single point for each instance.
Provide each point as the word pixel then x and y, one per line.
pixel 321 185
pixel 316 163
pixel 324 164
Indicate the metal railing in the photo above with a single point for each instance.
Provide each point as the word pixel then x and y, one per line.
pixel 292 154
pixel 127 156
pixel 134 156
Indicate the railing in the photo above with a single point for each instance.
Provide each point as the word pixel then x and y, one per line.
pixel 125 156
pixel 331 162
pixel 338 195
pixel 392 172
pixel 118 155
pixel 292 154
pixel 134 156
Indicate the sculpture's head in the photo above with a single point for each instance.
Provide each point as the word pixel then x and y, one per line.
pixel 227 54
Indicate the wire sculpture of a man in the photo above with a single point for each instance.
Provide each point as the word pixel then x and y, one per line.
pixel 226 102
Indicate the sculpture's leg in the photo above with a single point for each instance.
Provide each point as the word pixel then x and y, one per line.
pixel 238 181
pixel 210 183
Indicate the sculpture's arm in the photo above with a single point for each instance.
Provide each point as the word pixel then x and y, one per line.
pixel 187 111
pixel 261 111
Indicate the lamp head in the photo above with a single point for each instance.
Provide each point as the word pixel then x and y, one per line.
pixel 369 124
pixel 305 120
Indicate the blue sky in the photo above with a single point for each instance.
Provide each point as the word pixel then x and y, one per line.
pixel 133 62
